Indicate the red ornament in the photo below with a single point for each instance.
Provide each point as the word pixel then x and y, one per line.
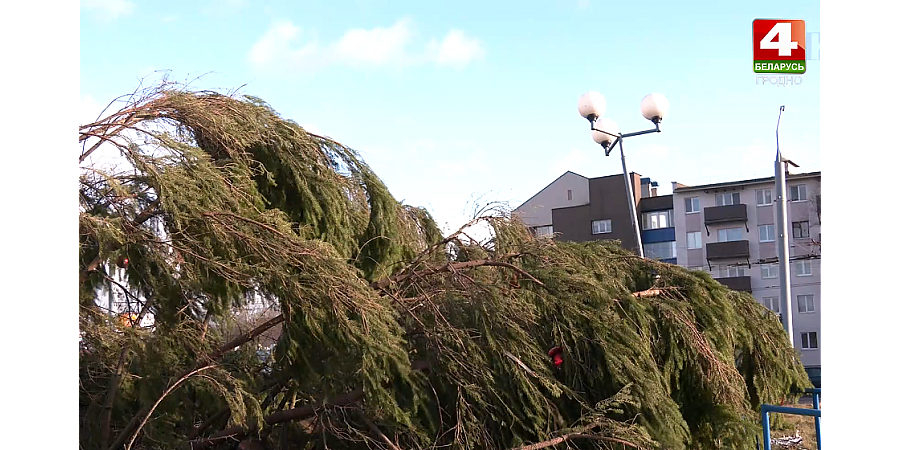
pixel 122 261
pixel 556 354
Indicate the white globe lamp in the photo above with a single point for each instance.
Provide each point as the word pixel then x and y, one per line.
pixel 608 131
pixel 654 107
pixel 592 106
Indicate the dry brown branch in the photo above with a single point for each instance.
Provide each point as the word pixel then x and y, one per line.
pixel 375 430
pixel 520 363
pixel 102 139
pixel 452 267
pixel 227 347
pixel 298 413
pixel 246 337
pixel 648 293
pixel 415 262
pixel 158 401
pixel 248 220
pixel 568 437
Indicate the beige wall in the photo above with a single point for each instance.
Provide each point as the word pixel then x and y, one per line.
pixel 537 211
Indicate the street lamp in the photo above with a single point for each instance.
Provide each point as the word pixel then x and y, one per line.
pixel 605 132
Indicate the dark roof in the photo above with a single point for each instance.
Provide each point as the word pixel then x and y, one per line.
pixel 557 179
pixel 790 176
pixel 658 203
pixel 615 175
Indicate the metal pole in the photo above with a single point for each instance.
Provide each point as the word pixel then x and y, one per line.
pixel 110 294
pixel 631 201
pixel 818 427
pixel 783 245
pixel 767 437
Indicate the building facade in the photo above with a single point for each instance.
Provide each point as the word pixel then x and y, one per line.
pixel 658 228
pixel 570 189
pixel 580 209
pixel 728 230
pixel 724 229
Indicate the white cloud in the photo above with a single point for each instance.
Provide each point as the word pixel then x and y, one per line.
pixel 109 9
pixel 284 47
pixel 274 43
pixel 376 46
pixel 456 49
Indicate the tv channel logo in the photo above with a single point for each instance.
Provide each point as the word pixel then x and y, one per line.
pixel 779 46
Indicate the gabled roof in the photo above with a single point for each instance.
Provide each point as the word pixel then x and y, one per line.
pixel 551 184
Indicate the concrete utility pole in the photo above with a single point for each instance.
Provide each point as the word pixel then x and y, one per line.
pixel 631 204
pixel 784 261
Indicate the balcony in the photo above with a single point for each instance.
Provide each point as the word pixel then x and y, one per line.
pixel 741 284
pixel 728 250
pixel 713 215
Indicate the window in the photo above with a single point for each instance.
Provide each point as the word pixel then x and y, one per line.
pixel 697 269
pixel 801 229
pixel 728 198
pixel 809 340
pixel 804 268
pixel 601 226
pixel 763 197
pixel 692 205
pixel 798 193
pixel 769 270
pixel 731 271
pixel 767 233
pixel 694 240
pixel 544 231
pixel 658 219
pixel 773 303
pixel 569 192
pixel 806 303
pixel 660 250
pixel 730 234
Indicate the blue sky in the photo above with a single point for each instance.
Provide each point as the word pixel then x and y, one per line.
pixel 446 100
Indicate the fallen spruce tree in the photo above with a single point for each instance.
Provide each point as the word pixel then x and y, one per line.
pixel 386 333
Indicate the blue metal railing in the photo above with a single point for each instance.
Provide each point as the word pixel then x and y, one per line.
pixel 815 412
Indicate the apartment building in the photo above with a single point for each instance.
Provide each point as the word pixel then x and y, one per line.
pixel 577 208
pixel 570 189
pixel 658 228
pixel 728 230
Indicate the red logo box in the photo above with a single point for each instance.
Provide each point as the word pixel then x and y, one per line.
pixel 779 46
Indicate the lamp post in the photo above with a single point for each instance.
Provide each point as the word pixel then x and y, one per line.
pixel 605 132
pixel 784 260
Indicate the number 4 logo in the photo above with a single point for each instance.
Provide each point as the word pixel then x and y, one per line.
pixel 779 46
pixel 784 44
